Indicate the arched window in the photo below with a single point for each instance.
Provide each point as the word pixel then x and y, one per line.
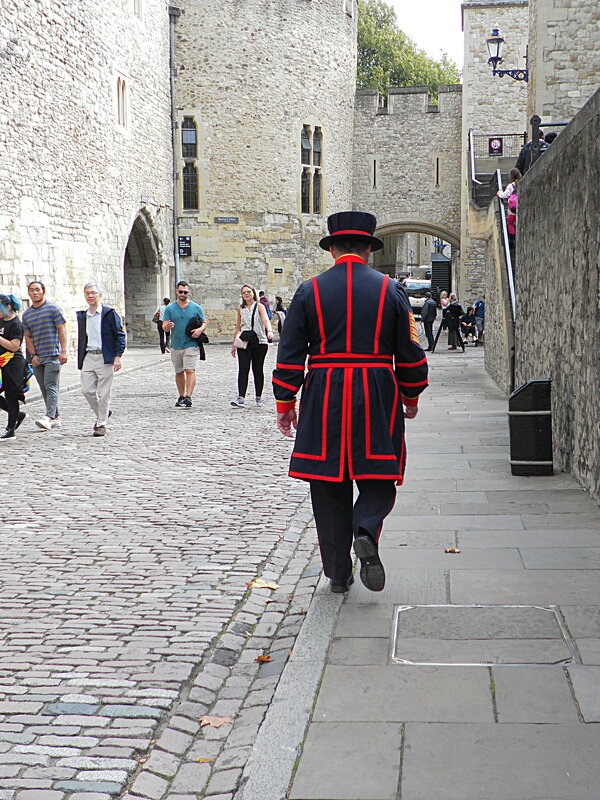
pixel 311 158
pixel 189 138
pixel 121 102
pixel 190 187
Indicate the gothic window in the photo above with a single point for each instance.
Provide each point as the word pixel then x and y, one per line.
pixel 311 181
pixel 189 138
pixel 306 191
pixel 305 145
pixel 122 102
pixel 190 187
pixel 317 192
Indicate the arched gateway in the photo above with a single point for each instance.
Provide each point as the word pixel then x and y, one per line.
pixel 420 226
pixel 145 279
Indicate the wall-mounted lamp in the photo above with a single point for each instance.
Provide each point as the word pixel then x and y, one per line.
pixel 494 45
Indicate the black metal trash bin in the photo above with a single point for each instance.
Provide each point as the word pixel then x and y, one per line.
pixel 530 425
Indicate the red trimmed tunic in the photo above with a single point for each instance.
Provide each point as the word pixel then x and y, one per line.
pixel 356 328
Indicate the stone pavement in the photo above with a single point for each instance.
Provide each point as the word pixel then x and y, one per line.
pixel 475 675
pixel 125 611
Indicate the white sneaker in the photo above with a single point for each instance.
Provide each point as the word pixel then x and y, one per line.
pixel 239 402
pixel 45 423
pixel 56 423
pixel 259 402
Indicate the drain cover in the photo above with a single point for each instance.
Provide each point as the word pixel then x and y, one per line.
pixel 474 634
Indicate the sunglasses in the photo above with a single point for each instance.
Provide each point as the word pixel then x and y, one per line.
pixel 180 292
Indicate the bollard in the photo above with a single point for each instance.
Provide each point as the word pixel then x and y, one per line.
pixel 530 425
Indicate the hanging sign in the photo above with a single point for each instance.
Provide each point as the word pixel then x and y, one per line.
pixel 185 245
pixel 495 146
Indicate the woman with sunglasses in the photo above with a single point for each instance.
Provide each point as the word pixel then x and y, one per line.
pixel 12 364
pixel 251 316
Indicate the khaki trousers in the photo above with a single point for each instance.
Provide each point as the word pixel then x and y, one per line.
pixel 96 383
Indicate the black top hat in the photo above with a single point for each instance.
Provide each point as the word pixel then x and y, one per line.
pixel 351 225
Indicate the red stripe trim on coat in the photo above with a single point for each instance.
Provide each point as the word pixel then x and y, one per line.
pixel 410 401
pixel 348 378
pixel 323 456
pixel 304 475
pixel 350 257
pixel 349 365
pixel 368 451
pixel 344 427
pixel 353 355
pixel 285 385
pixel 419 383
pixel 394 409
pixel 380 313
pixel 319 313
pixel 349 308
pixel 412 363
pixel 290 366
pixel 284 405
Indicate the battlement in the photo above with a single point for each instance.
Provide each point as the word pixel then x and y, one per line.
pixel 403 99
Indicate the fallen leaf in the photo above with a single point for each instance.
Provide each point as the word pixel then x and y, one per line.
pixel 215 722
pixel 271 600
pixel 204 760
pixel 263 659
pixel 303 612
pixel 258 583
pixel 451 550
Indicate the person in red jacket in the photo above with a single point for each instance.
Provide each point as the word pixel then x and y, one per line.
pixel 356 328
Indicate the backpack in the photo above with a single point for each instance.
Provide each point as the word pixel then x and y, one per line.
pixel 513 203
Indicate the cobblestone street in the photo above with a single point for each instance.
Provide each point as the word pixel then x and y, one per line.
pixel 123 559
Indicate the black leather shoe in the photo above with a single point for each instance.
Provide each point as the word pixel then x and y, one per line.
pixel 372 573
pixel 341 587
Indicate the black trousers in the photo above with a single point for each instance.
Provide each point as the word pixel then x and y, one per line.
pixel 255 357
pixel 9 402
pixel 163 336
pixel 338 519
pixel 429 333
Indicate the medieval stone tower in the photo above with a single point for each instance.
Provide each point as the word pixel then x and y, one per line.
pixel 265 95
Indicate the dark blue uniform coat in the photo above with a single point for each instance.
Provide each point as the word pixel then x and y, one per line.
pixel 364 360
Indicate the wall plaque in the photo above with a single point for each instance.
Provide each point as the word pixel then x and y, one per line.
pixel 185 245
pixel 230 220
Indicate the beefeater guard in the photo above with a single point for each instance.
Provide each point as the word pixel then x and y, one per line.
pixel 356 328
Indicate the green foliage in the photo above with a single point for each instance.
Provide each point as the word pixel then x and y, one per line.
pixel 388 57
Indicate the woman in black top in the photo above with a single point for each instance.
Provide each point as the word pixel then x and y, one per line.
pixel 12 364
pixel 453 314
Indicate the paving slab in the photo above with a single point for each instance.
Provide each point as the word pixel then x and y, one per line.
pixel 561 558
pixel 371 620
pixel 501 762
pixel 586 686
pixel 582 620
pixel 533 587
pixel 528 539
pixel 533 694
pixel 349 761
pixel 456 522
pixel 357 651
pixel 435 558
pixel 404 586
pixel 564 522
pixel 589 650
pixel 482 651
pixel 398 693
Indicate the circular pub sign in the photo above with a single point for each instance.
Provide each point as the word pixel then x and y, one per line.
pixel 495 146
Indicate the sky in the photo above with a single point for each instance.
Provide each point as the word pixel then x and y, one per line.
pixel 435 25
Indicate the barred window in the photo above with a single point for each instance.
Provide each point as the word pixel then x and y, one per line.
pixel 311 181
pixel 189 138
pixel 190 187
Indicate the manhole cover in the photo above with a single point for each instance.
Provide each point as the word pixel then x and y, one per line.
pixel 473 634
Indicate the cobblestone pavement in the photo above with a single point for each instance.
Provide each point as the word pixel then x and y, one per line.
pixel 125 611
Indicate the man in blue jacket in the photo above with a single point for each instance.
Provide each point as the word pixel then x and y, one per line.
pixel 100 345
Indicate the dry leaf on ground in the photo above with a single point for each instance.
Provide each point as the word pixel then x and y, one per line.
pixel 204 760
pixel 263 659
pixel 451 550
pixel 258 583
pixel 215 722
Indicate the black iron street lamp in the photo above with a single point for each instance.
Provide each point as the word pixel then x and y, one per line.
pixel 494 46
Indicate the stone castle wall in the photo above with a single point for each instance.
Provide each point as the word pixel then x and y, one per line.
pixel 558 290
pixel 407 160
pixel 71 178
pixel 251 75
pixel 564 57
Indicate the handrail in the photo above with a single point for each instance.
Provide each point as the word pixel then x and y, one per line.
pixel 510 281
pixel 509 266
pixel 472 157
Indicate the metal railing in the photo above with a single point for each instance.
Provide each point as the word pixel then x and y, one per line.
pixel 510 276
pixel 488 145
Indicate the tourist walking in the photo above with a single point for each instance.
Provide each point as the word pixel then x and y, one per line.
pixel 480 319
pixel 46 341
pixel 13 368
pixel 454 312
pixel 159 316
pixel 251 350
pixel 428 314
pixel 281 311
pixel 101 342
pixel 184 348
pixel 514 176
pixel 356 327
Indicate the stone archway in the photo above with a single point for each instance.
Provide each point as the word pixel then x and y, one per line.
pixel 142 273
pixel 421 226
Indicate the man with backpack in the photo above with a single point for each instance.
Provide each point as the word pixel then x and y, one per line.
pixel 428 314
